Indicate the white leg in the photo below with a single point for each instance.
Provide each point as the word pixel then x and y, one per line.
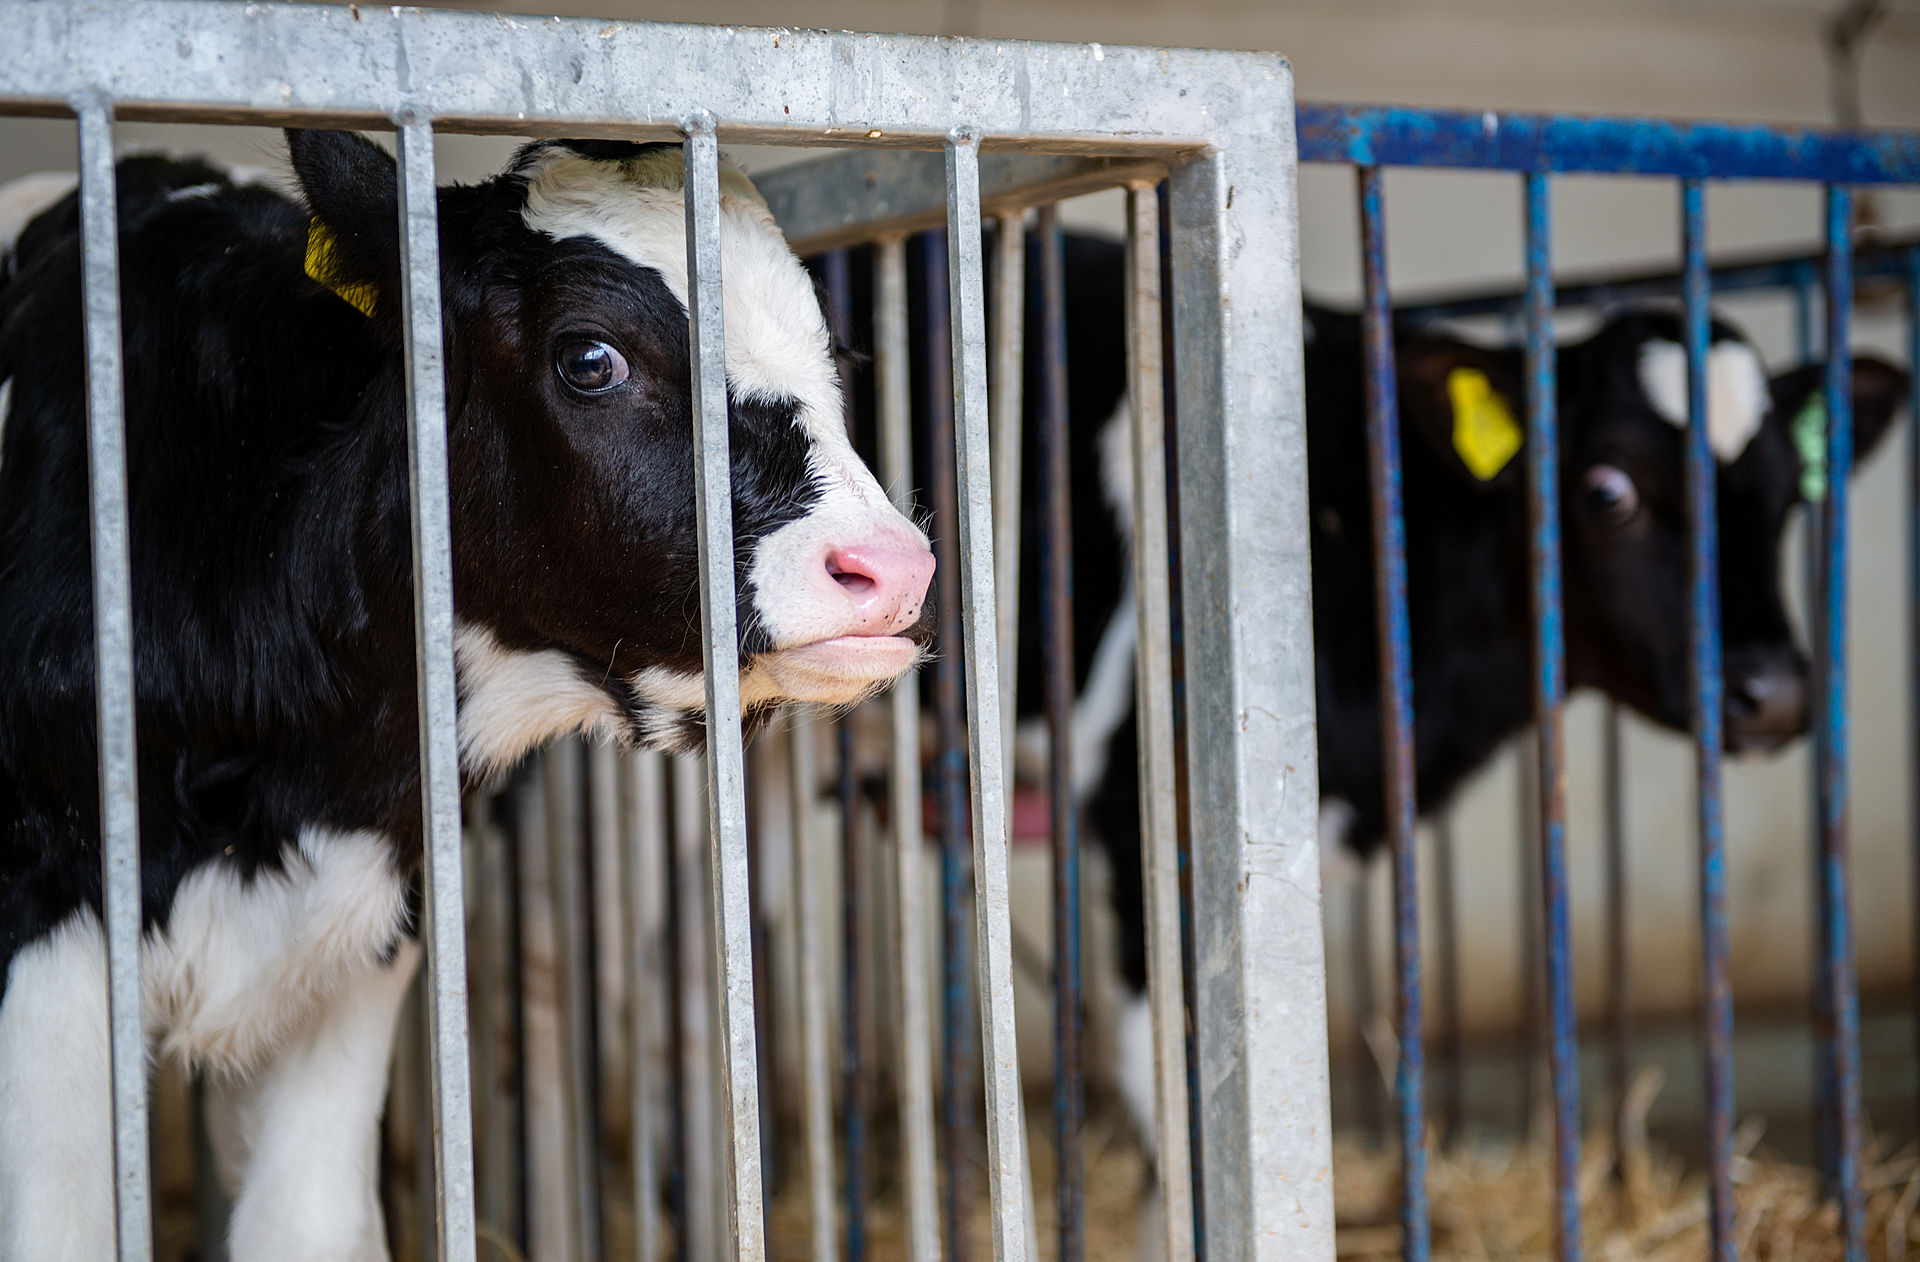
pixel 304 1130
pixel 1133 1036
pixel 56 1117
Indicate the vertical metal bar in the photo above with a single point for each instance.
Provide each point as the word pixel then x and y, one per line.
pixel 1056 620
pixel 1913 596
pixel 956 1069
pixel 1840 1027
pixel 916 1033
pixel 1260 992
pixel 1619 979
pixel 1000 1061
pixel 1708 720
pixel 689 1170
pixel 1446 932
pixel 1009 383
pixel 113 678
pixel 1543 498
pixel 853 1014
pixel 1392 629
pixel 444 906
pixel 808 903
pixel 647 842
pixel 1153 681
pixel 1182 774
pixel 562 770
pixel 726 772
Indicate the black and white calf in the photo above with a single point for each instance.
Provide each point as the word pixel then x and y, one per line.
pixel 279 801
pixel 1622 406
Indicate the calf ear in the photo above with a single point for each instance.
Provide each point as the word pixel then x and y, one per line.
pixel 352 190
pixel 1799 408
pixel 1467 404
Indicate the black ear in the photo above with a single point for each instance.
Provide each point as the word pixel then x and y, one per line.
pixel 1799 408
pixel 352 189
pixel 1467 403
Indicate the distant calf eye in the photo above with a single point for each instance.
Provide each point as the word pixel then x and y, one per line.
pixel 588 366
pixel 1611 494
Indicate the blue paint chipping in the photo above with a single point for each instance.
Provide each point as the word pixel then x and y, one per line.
pixel 1389 135
pixel 1397 755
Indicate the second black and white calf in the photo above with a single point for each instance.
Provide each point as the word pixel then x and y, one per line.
pixel 279 798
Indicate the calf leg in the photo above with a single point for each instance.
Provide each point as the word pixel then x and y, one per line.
pixel 301 1137
pixel 56 1112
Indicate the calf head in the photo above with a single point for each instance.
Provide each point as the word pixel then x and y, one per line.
pixel 572 449
pixel 1627 580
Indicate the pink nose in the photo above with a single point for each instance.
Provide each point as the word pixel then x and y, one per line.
pixel 883 583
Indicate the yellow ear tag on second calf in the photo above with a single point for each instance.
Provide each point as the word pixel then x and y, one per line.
pixel 1484 432
pixel 323 266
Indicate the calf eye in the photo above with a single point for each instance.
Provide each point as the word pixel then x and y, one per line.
pixel 1611 494
pixel 588 366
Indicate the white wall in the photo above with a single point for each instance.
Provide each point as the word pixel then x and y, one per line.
pixel 1740 59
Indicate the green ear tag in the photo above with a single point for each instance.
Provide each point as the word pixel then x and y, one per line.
pixel 1484 432
pixel 1809 432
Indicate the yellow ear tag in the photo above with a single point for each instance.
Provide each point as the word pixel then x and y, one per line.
pixel 323 267
pixel 1484 431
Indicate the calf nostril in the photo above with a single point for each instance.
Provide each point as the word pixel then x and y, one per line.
pixel 853 582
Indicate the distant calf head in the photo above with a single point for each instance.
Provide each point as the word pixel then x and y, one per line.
pixel 572 448
pixel 1622 415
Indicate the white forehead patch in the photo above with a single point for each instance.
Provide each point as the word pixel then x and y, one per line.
pixel 777 344
pixel 1737 394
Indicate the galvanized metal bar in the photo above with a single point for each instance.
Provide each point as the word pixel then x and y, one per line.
pixel 892 392
pixel 1009 329
pixel 1000 1060
pixel 1260 993
pixel 1840 1026
pixel 1550 692
pixel 1709 702
pixel 956 1061
pixel 841 199
pixel 1446 934
pixel 1619 979
pixel 444 921
pixel 113 678
pixel 342 65
pixel 562 772
pixel 1153 684
pixel 726 772
pixel 1056 622
pixel 1391 135
pixel 1393 630
pixel 1913 593
pixel 644 806
pixel 854 1010
pixel 809 903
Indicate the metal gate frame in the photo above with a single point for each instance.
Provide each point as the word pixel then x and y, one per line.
pixel 1222 124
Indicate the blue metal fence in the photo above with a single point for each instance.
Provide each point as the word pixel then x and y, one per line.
pixel 1536 147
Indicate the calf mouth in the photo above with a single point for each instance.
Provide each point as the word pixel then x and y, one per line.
pixel 846 669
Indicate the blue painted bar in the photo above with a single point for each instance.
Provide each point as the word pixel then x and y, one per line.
pixel 1392 627
pixel 1056 623
pixel 1550 695
pixel 1391 135
pixel 1771 272
pixel 956 836
pixel 1709 716
pixel 1840 1026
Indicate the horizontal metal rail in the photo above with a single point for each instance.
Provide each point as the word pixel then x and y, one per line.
pixel 1390 135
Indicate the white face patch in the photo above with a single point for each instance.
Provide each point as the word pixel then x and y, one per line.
pixel 1103 704
pixel 777 348
pixel 1116 468
pixel 1737 394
